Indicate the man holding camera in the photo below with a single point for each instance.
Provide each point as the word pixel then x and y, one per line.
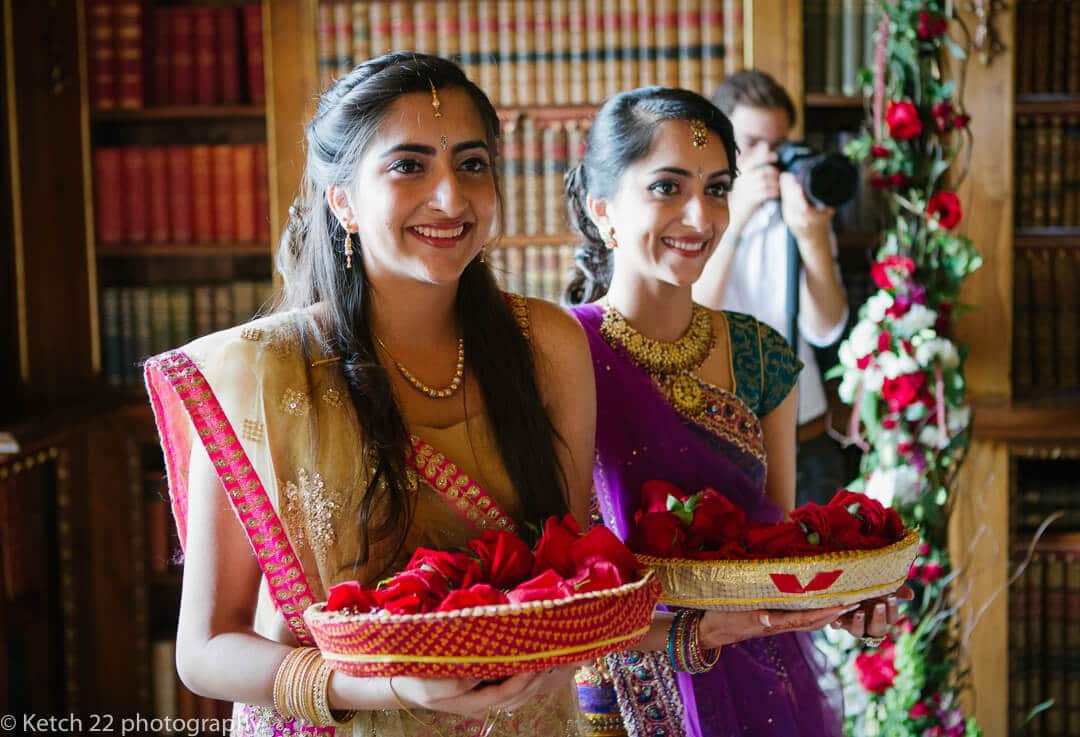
pixel 749 270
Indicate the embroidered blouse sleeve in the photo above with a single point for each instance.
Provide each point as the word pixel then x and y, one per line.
pixel 780 368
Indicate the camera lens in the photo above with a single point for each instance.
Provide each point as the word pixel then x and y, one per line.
pixel 829 180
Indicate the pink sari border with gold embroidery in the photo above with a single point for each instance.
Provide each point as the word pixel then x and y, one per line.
pixel 277 558
pixel 464 495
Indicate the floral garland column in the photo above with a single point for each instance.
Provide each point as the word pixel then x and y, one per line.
pixel 902 370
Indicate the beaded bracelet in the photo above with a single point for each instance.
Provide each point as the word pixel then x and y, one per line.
pixel 684 650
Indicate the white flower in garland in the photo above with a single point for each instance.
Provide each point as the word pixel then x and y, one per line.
pixel 958 418
pixel 918 317
pixel 864 339
pixel 899 483
pixel 876 306
pixel 937 350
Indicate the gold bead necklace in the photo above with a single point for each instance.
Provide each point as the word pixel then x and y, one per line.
pixel 432 392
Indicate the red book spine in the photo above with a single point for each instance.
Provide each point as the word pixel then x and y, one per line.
pixel 244 173
pixel 182 53
pixel 129 54
pixel 136 203
pixel 108 195
pixel 181 207
pixel 262 194
pixel 253 53
pixel 101 54
pixel 228 38
pixel 206 73
pixel 157 177
pixel 224 202
pixel 161 57
pixel 202 195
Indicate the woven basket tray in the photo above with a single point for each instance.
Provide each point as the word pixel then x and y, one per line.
pixel 814 582
pixel 486 642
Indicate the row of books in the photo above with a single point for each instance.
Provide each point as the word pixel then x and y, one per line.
pixel 179 55
pixel 534 159
pixel 544 52
pixel 535 271
pixel 1044 638
pixel 1048 35
pixel 1046 310
pixel 182 194
pixel 1048 169
pixel 138 322
pixel 176 707
pixel 1043 488
pixel 839 40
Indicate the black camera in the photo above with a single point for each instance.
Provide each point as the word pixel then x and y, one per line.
pixel 827 179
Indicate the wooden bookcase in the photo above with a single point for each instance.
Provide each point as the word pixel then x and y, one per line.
pixel 54 270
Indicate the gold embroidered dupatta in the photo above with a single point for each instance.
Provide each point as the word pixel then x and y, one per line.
pixel 283 435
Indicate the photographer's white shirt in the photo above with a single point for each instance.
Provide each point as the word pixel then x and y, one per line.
pixel 757 285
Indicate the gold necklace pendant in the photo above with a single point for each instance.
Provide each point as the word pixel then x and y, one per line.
pixel 671 365
pixel 656 357
pixel 432 392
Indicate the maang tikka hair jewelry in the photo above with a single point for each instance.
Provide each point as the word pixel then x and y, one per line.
pixel 699 134
pixel 435 103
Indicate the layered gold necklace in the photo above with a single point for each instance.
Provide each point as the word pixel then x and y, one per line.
pixel 669 364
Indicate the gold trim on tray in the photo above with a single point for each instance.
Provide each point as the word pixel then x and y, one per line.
pixel 402 658
pixel 834 579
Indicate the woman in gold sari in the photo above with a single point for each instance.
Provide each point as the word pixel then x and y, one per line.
pixel 395 399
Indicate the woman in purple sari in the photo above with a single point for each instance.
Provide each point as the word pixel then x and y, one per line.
pixel 694 397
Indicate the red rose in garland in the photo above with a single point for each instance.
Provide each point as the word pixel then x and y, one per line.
pixel 902 391
pixel 943 115
pixel 930 25
pixel 877 668
pixel 945 208
pixel 892 271
pixel 903 119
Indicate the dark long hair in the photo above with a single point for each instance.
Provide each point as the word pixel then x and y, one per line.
pixel 312 263
pixel 621 134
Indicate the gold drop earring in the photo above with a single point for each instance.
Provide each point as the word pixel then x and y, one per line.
pixel 609 239
pixel 348 244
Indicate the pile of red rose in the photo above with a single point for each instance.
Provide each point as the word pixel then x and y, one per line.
pixel 498 568
pixel 706 525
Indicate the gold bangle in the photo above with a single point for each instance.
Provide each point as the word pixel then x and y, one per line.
pixel 306 686
pixel 327 716
pixel 285 681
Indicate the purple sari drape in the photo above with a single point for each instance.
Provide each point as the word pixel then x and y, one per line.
pixel 776 685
